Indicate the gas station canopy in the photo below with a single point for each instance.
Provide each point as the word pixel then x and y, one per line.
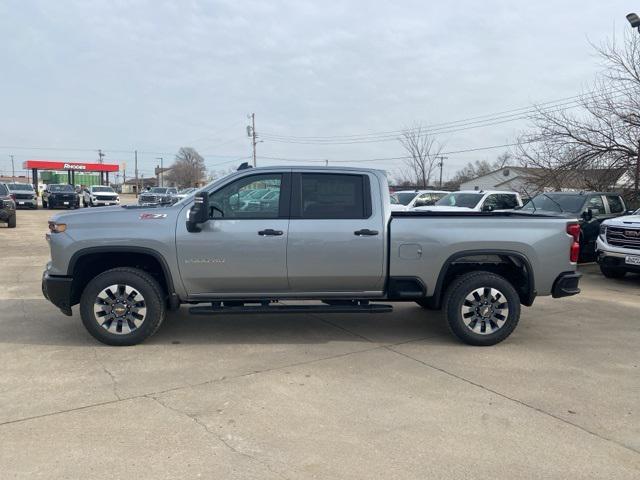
pixel 74 166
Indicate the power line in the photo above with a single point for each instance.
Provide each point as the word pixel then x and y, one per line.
pixel 444 127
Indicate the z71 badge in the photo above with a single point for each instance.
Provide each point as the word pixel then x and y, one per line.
pixel 152 216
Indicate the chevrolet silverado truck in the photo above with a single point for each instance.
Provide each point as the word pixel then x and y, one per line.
pixel 331 238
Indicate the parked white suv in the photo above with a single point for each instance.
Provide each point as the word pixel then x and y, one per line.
pixel 618 245
pixel 97 195
pixel 475 200
pixel 404 200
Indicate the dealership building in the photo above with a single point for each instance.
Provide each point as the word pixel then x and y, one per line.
pixel 73 173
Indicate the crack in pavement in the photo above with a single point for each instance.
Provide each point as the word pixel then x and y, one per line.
pixel 512 399
pixel 204 426
pixel 114 383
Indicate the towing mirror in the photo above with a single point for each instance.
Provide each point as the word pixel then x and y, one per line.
pixel 199 213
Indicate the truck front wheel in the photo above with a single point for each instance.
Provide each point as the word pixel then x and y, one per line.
pixel 122 306
pixel 482 308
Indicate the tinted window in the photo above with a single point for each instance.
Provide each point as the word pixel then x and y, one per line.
pixel 3 190
pixel 491 203
pixel 615 204
pixel 158 190
pixel 61 188
pixel 556 202
pixel 102 189
pixel 405 197
pixel 332 196
pixel 596 205
pixel 469 200
pixel 507 201
pixel 235 200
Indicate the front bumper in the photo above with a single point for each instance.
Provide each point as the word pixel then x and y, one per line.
pixel 105 203
pixel 566 285
pixel 58 291
pixel 63 202
pixel 26 203
pixel 617 260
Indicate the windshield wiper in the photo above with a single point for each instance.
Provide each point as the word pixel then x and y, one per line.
pixel 559 206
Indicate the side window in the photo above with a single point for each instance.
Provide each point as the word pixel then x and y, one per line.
pixel 615 204
pixel 490 203
pixel 257 196
pixel 507 201
pixel 596 205
pixel 332 196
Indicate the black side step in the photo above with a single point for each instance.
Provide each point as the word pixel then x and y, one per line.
pixel 264 309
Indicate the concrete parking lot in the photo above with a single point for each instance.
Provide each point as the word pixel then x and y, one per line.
pixel 317 396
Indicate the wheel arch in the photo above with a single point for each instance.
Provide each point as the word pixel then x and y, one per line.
pixel 511 265
pixel 91 261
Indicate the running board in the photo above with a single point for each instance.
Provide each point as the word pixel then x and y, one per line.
pixel 370 308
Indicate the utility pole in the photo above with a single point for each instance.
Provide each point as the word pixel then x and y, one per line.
pixel 13 171
pixel 441 164
pixel 101 156
pixel 161 171
pixel 251 132
pixel 637 179
pixel 136 169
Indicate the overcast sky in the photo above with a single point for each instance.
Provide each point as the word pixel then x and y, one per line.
pixel 154 76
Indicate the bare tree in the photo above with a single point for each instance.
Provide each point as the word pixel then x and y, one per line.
pixel 422 159
pixel 188 169
pixel 603 135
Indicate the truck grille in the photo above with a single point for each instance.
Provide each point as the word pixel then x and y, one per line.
pixel 624 237
pixel 148 198
pixel 107 198
pixel 23 196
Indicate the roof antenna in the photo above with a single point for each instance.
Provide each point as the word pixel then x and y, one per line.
pixel 244 166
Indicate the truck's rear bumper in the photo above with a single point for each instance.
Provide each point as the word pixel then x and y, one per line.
pixel 58 291
pixel 566 285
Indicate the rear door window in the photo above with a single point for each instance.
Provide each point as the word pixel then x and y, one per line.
pixel 327 195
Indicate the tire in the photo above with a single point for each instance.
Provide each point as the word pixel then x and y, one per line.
pixel 49 206
pixel 11 222
pixel 464 304
pixel 427 303
pixel 136 282
pixel 611 272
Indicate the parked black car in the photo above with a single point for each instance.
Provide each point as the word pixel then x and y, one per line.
pixel 591 209
pixel 7 207
pixel 60 196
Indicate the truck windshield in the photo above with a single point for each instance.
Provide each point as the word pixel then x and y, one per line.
pixel 102 189
pixel 20 186
pixel 3 190
pixel 158 190
pixel 61 188
pixel 468 200
pixel 556 202
pixel 404 198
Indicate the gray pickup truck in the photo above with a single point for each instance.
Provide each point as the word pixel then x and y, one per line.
pixel 327 234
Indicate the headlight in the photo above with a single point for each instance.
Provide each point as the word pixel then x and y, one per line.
pixel 603 229
pixel 57 227
pixel 94 198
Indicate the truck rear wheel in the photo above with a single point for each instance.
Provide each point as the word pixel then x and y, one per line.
pixel 122 306
pixel 482 308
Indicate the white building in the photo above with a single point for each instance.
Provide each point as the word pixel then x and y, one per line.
pixel 526 180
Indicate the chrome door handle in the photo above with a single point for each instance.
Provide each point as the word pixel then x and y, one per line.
pixel 269 232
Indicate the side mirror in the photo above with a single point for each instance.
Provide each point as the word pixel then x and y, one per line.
pixel 587 215
pixel 199 213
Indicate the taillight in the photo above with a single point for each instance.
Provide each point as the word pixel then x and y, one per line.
pixel 573 229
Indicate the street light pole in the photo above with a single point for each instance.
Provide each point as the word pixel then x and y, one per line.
pixel 13 170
